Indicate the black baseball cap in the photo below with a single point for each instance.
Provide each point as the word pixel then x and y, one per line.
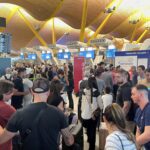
pixel 40 85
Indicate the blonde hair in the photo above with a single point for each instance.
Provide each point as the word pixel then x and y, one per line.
pixel 114 114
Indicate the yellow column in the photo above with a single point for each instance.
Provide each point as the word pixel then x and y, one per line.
pixel 53 32
pixel 103 23
pixel 53 14
pixel 57 8
pixel 134 33
pixel 32 28
pixel 142 36
pixel 84 16
pixel 35 33
pixel 11 15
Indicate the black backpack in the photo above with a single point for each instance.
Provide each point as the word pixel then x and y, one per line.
pixel 9 79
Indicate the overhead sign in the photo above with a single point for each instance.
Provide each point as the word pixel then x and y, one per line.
pixel 75 44
pixel 53 46
pixel 101 42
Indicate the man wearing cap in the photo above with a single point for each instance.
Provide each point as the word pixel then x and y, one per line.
pixel 39 124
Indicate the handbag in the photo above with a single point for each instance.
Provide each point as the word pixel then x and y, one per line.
pixel 120 141
pixel 96 112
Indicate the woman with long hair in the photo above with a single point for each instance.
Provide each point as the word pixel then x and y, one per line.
pixel 119 137
pixel 91 106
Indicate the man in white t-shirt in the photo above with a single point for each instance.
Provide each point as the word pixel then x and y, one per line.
pixel 107 98
pixel 27 99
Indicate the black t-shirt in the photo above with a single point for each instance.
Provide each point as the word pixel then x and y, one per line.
pixel 16 101
pixel 123 94
pixel 45 134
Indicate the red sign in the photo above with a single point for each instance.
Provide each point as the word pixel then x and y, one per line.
pixel 78 72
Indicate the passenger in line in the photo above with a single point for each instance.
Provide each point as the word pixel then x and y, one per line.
pixel 119 137
pixel 39 124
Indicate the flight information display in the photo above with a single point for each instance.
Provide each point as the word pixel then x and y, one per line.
pixel 46 56
pixel 32 56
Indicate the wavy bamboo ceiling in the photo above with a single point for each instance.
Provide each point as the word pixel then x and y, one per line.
pixel 38 12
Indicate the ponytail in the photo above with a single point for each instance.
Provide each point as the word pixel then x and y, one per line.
pixel 114 114
pixel 128 134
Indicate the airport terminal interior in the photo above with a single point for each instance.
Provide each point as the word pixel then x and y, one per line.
pixel 74 74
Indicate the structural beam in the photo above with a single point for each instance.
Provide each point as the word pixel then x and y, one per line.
pixel 53 32
pixel 57 9
pixel 83 23
pixel 134 33
pixel 35 33
pixel 99 29
pixel 101 13
pixel 32 28
pixel 142 36
pixel 52 15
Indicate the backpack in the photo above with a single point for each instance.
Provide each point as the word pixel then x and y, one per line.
pixel 9 79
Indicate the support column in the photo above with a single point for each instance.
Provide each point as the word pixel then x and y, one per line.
pixel 42 41
pixel 99 29
pixel 142 36
pixel 134 33
pixel 84 17
pixel 53 32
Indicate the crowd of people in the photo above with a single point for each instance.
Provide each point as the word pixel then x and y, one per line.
pixel 37 106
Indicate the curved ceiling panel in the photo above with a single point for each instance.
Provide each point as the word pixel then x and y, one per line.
pixel 40 9
pixel 71 13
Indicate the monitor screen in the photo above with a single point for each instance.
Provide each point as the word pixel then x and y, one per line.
pixel 21 56
pixel 90 54
pixel 32 56
pixel 60 55
pixel 82 53
pixel 66 55
pixel 110 53
pixel 46 56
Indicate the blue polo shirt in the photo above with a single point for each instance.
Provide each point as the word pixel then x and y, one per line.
pixel 142 119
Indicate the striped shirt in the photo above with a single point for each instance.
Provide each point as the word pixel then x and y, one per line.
pixel 113 142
